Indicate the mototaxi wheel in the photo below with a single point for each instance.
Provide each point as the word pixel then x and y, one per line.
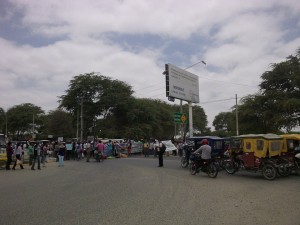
pixel 284 171
pixel 193 168
pixel 184 162
pixel 230 167
pixel 269 171
pixel 212 170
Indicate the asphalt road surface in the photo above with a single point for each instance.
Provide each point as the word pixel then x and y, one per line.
pixel 135 191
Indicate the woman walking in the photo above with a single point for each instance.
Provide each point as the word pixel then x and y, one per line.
pixel 18 157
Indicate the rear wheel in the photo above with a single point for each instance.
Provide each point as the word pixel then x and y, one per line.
pixel 193 169
pixel 284 171
pixel 184 162
pixel 269 172
pixel 212 170
pixel 230 167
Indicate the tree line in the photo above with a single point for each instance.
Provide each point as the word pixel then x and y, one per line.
pixel 97 105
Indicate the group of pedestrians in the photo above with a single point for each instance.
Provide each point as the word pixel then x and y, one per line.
pixel 37 152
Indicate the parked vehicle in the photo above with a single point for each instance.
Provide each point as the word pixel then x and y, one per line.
pixel 297 163
pixel 206 166
pixel 291 148
pixel 217 144
pixel 218 147
pixel 258 153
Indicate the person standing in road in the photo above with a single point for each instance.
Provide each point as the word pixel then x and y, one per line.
pixel 79 151
pixel 44 154
pixel 9 153
pixel 146 148
pixel 161 148
pixel 129 147
pixel 18 157
pixel 61 154
pixel 88 151
pixel 30 153
pixel 36 156
pixel 110 148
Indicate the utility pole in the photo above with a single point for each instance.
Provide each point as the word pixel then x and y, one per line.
pixel 77 125
pixel 236 116
pixel 6 124
pixel 81 121
pixel 33 126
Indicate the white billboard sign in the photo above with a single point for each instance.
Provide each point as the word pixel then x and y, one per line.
pixel 183 84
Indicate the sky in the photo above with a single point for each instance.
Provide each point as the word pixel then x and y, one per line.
pixel 44 44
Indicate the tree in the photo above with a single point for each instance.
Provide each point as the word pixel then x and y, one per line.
pixel 2 120
pixel 224 124
pixel 24 119
pixel 281 89
pixel 58 123
pixel 97 96
pixel 255 115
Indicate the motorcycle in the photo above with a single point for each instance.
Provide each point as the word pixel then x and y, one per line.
pixel 187 150
pixel 297 163
pixel 198 164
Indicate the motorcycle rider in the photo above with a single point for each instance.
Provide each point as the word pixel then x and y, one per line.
pixel 204 150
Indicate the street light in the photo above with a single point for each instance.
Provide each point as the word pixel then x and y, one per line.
pixel 190 103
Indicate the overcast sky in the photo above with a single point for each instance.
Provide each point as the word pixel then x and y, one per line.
pixel 44 44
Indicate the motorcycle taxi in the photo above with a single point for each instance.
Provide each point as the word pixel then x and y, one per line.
pixel 193 143
pixel 291 150
pixel 257 153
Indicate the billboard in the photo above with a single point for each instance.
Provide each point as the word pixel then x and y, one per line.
pixel 182 84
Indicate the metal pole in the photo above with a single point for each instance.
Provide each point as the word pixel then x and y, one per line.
pixel 81 121
pixel 236 116
pixel 6 124
pixel 181 125
pixel 77 125
pixel 191 119
pixel 32 125
pixel 174 130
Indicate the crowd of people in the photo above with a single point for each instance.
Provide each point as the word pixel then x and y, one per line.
pixel 39 152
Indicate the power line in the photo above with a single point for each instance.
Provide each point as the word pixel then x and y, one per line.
pixel 219 100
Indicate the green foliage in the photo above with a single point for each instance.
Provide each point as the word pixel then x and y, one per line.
pixel 281 89
pixel 20 120
pixel 57 123
pixel 277 106
pixel 98 97
pixel 2 120
pixel 225 124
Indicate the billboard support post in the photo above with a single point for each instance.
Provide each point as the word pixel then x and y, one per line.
pixel 191 119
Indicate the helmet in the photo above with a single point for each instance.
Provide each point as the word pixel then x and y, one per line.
pixel 205 142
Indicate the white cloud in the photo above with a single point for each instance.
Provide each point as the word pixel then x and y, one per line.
pixel 239 40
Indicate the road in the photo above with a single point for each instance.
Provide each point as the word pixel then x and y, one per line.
pixel 131 191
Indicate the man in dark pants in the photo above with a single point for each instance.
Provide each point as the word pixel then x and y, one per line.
pixel 36 156
pixel 161 148
pixel 9 153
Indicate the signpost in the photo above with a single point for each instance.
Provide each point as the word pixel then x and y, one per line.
pixel 180 117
